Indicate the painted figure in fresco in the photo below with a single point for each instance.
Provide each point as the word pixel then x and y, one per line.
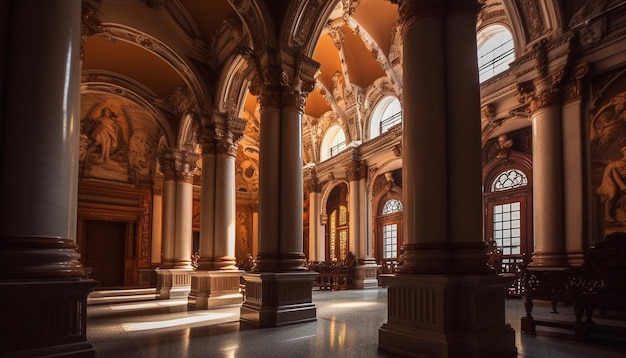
pixel 105 134
pixel 613 187
pixel 138 151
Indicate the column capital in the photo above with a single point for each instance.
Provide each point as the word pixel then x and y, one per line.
pixel 535 99
pixel 311 182
pixel 572 87
pixel 286 79
pixel 220 133
pixel 355 170
pixel 177 164
pixel 413 10
pixel 157 185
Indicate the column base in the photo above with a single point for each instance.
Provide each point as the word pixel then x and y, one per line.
pixel 446 316
pixel 173 283
pixel 278 299
pixel 211 289
pixel 366 276
pixel 547 259
pixel 45 318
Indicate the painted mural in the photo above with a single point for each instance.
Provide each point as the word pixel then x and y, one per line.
pixel 608 152
pixel 117 140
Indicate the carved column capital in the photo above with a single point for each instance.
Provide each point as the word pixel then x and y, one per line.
pixel 356 170
pixel 178 165
pixel 157 186
pixel 220 134
pixel 572 88
pixel 537 100
pixel 413 10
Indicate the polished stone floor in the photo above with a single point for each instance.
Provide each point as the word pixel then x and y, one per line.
pixel 347 326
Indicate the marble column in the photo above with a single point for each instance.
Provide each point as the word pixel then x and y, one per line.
pixel 216 281
pixel 312 186
pixel 548 200
pixel 173 279
pixel 43 286
pixel 366 270
pixel 157 221
pixel 437 300
pixel 278 291
pixel 573 172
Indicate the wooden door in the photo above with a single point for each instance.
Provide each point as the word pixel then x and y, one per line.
pixel 105 251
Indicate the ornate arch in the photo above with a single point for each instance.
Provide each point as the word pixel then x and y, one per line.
pixel 189 74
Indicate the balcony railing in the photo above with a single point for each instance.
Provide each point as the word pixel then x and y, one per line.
pixel 387 123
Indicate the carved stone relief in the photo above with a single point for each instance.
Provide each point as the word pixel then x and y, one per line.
pixel 117 140
pixel 608 159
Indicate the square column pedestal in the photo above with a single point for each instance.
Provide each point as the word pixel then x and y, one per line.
pixel 366 276
pixel 210 289
pixel 173 283
pixel 45 318
pixel 278 298
pixel 446 316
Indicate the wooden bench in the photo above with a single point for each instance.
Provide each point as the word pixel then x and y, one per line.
pixel 600 283
pixel 333 275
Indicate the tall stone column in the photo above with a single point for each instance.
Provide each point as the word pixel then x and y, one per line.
pixel 278 292
pixel 43 286
pixel 173 278
pixel 157 221
pixel 437 300
pixel 366 270
pixel 547 183
pixel 573 172
pixel 312 186
pixel 217 278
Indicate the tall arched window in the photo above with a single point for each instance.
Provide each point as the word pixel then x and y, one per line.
pixel 388 113
pixel 337 244
pixel 495 51
pixel 334 142
pixel 390 229
pixel 508 212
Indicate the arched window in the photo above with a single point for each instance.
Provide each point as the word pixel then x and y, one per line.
pixel 388 113
pixel 508 213
pixel 495 51
pixel 333 143
pixel 509 179
pixel 337 230
pixel 390 228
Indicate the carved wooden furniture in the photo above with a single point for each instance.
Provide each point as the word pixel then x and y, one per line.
pixel 333 275
pixel 599 284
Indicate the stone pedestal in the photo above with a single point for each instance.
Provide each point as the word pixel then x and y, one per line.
pixel 211 289
pixel 447 316
pixel 45 318
pixel 278 298
pixel 173 283
pixel 366 276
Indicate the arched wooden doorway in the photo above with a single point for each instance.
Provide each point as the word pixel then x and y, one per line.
pixel 507 201
pixel 337 234
pixel 388 223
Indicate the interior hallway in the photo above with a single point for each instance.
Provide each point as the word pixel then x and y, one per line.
pixel 347 326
